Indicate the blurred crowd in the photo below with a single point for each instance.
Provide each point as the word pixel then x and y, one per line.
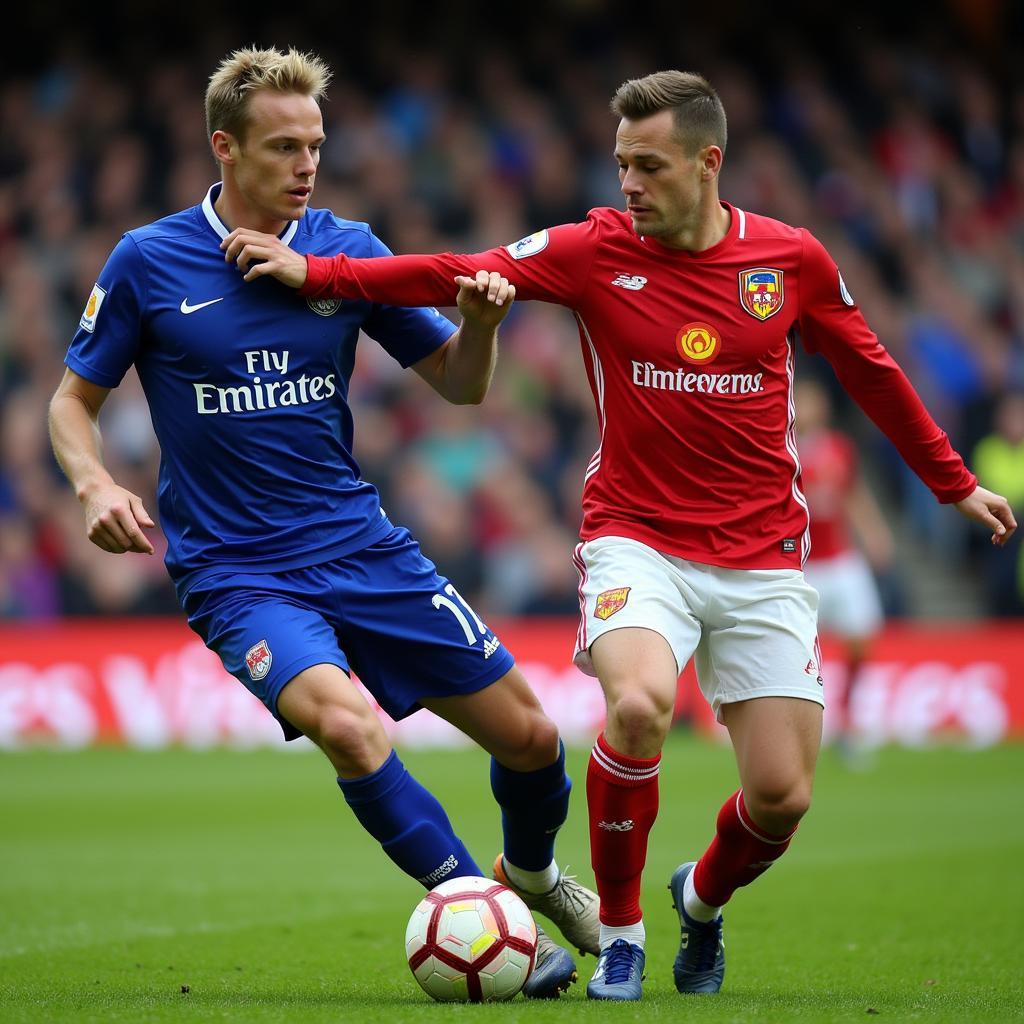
pixel 902 150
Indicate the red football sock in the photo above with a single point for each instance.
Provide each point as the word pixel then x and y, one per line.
pixel 739 853
pixel 622 796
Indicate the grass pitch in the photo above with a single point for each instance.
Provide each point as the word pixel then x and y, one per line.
pixel 236 886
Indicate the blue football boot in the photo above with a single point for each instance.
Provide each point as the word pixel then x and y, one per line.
pixel 620 969
pixel 700 962
pixel 553 970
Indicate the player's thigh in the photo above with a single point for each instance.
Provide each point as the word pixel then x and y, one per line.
pixel 266 632
pixel 760 638
pixel 408 633
pixel 506 719
pixel 776 740
pixel 324 703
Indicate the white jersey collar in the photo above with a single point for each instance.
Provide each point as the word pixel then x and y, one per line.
pixel 221 228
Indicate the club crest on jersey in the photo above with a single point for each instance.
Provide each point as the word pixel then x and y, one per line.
pixel 698 343
pixel 528 246
pixel 611 601
pixel 92 309
pixel 761 292
pixel 258 660
pixel 324 307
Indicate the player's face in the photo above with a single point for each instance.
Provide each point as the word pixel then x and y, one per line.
pixel 277 158
pixel 664 185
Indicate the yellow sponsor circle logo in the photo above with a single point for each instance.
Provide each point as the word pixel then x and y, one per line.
pixel 698 343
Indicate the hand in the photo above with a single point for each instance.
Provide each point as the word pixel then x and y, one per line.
pixel 992 511
pixel 485 299
pixel 114 518
pixel 244 245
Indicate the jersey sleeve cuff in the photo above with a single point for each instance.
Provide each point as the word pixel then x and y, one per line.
pixel 318 269
pixel 94 376
pixel 951 497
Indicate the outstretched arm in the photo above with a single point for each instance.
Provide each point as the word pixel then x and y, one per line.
pixel 553 267
pixel 114 517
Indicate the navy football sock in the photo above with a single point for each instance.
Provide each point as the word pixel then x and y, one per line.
pixel 534 806
pixel 409 823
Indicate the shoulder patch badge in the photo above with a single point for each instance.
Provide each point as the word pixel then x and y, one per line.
pixel 611 601
pixel 258 660
pixel 528 246
pixel 761 293
pixel 92 309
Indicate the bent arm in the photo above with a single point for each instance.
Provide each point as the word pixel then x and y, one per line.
pixel 461 369
pixel 114 516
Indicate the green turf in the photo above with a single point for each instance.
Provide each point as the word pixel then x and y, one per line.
pixel 126 876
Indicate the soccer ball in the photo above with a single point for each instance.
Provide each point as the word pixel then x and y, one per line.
pixel 471 940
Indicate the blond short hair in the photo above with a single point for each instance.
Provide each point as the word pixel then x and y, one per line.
pixel 247 71
pixel 696 109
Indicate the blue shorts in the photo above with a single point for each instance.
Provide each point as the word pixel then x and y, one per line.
pixel 383 613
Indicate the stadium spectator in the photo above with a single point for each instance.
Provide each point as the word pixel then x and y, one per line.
pixel 999 461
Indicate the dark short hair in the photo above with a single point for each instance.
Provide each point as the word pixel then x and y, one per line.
pixel 696 109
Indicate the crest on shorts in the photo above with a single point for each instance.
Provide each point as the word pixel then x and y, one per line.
pixel 324 307
pixel 611 601
pixel 761 292
pixel 258 660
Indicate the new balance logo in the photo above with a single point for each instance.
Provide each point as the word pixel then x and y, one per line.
pixel 490 646
pixel 631 282
pixel 616 826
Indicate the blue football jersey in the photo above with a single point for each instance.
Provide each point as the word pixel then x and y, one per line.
pixel 248 390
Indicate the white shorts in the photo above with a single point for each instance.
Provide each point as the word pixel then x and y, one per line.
pixel 848 602
pixel 751 632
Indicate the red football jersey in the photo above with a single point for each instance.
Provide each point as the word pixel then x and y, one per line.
pixel 829 471
pixel 690 359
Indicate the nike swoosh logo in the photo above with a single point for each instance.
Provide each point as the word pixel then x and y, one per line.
pixel 186 308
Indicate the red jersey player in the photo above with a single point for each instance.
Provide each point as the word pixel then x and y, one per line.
pixel 695 527
pixel 848 603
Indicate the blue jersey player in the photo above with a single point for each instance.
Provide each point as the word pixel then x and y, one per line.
pixel 282 557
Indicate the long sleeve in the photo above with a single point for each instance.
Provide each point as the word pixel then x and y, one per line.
pixel 549 265
pixel 832 324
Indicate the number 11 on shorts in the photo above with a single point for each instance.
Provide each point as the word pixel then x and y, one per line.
pixel 440 601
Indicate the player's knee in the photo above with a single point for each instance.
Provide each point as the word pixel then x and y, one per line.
pixel 532 747
pixel 353 743
pixel 778 807
pixel 639 719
